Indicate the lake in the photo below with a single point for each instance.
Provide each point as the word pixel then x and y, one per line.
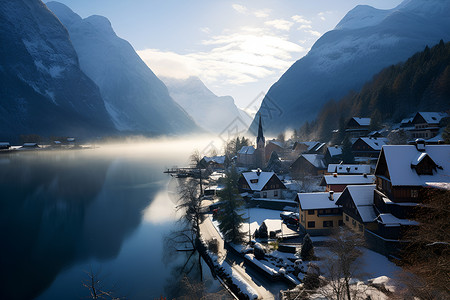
pixel 67 214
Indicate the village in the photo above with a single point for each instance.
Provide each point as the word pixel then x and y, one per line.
pixel 302 200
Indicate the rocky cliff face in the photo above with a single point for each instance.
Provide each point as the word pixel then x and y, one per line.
pixel 137 101
pixel 362 44
pixel 42 88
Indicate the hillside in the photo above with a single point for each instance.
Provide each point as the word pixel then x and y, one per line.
pixel 422 83
pixel 344 59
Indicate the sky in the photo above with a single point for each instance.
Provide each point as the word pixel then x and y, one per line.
pixel 237 48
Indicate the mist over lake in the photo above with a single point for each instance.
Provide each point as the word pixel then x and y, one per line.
pixel 105 210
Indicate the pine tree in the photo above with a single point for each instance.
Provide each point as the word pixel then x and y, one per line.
pixel 347 155
pixel 274 163
pixel 230 216
pixel 307 252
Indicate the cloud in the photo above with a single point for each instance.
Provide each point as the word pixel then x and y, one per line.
pixel 304 26
pixel 322 15
pixel 300 19
pixel 233 58
pixel 205 30
pixel 239 8
pixel 264 13
pixel 280 24
pixel 313 32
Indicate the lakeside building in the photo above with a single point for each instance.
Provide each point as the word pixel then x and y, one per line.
pixel 261 184
pixel 357 127
pixel 338 183
pixel 358 211
pixel 319 213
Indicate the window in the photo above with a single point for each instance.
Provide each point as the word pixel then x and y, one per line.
pixel 275 193
pixel 311 212
pixel 414 193
pixel 311 224
pixel 346 218
pixel 320 211
pixel 264 194
pixel 327 223
pixel 254 180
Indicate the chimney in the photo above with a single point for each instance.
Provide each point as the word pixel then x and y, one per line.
pixel 334 174
pixel 420 145
pixel 365 175
pixel 331 196
pixel 258 171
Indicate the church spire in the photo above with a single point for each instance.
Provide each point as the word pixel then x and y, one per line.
pixel 260 134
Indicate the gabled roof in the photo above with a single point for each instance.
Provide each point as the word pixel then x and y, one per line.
pixel 347 179
pixel 317 200
pixel 431 117
pixel 362 121
pixel 362 196
pixel 374 143
pixel 279 144
pixel 247 150
pixel 335 150
pixel 348 169
pixel 261 180
pixel 315 159
pixel 215 159
pixel 399 160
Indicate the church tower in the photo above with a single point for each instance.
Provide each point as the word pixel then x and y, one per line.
pixel 260 146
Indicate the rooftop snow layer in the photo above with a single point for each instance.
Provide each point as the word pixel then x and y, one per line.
pixel 317 200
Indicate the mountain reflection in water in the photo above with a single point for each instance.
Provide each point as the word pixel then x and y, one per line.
pixel 60 211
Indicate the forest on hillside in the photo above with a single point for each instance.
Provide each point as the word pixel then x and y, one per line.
pixel 422 83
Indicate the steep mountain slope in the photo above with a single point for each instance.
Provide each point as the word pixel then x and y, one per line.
pixel 422 83
pixel 136 99
pixel 211 112
pixel 363 43
pixel 42 89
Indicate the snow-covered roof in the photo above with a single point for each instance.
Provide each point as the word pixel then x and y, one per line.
pixel 335 150
pixel 315 159
pixel 362 196
pixel 362 121
pixel 259 181
pixel 348 179
pixel 215 159
pixel 439 185
pixel 317 200
pixel 247 150
pixel 432 117
pixel 348 169
pixel 367 213
pixel 407 120
pixel 4 144
pixel 279 144
pixel 399 159
pixel 391 220
pixel 375 143
pixel 29 145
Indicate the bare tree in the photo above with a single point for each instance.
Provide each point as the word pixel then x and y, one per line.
pixel 96 289
pixel 343 264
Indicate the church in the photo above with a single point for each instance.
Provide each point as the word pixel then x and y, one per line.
pixel 250 157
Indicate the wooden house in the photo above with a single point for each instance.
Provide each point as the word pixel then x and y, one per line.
pixel 368 147
pixel 349 169
pixel 402 173
pixel 357 127
pixel 358 211
pixel 264 184
pixel 333 154
pixel 318 212
pixel 246 156
pixel 426 124
pixel 309 165
pixel 338 183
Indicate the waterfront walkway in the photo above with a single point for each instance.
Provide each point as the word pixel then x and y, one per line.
pixel 209 232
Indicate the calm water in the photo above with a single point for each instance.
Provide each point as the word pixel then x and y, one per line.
pixel 65 213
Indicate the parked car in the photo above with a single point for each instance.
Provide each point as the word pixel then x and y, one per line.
pixel 285 214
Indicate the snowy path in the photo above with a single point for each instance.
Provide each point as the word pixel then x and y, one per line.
pixel 208 232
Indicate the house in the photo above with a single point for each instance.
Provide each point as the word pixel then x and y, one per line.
pixel 348 169
pixel 403 172
pixel 308 164
pixel 338 183
pixel 357 127
pixel 333 154
pixel 213 162
pixel 5 145
pixel 358 211
pixel 426 124
pixel 275 146
pixel 368 147
pixel 246 156
pixel 266 184
pixel 318 212
pixel 29 146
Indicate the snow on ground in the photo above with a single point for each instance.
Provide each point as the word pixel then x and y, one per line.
pixel 239 281
pixel 259 215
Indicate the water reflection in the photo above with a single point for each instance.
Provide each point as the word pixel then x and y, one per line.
pixel 62 207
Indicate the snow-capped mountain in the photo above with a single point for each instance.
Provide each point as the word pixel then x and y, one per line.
pixel 365 41
pixel 42 88
pixel 135 98
pixel 211 112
